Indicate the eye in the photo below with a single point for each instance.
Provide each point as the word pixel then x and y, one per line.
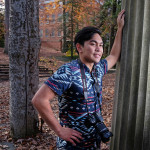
pixel 93 43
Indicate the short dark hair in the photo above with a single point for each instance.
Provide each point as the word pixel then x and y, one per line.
pixel 85 34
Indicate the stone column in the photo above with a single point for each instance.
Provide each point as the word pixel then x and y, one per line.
pixel 131 114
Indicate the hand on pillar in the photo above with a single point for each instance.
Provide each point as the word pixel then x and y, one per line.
pixel 120 19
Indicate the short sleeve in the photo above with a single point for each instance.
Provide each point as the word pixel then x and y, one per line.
pixel 60 81
pixel 103 67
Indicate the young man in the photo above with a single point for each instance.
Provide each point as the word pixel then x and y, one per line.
pixel 71 81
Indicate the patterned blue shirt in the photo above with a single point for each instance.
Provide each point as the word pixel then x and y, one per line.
pixel 67 83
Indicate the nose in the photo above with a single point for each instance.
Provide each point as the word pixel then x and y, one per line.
pixel 99 49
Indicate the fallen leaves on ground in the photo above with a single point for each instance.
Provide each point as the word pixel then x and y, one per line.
pixel 47 139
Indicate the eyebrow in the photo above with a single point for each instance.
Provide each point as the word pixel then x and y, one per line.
pixel 96 41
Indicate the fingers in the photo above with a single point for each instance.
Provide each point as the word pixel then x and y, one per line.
pixel 121 14
pixel 120 19
pixel 73 143
pixel 71 135
pixel 75 137
pixel 77 134
pixel 122 11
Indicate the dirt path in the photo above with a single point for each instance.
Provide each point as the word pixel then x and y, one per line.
pixel 45 53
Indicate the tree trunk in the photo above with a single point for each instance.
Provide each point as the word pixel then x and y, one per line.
pixel 64 28
pixel 24 45
pixel 112 29
pixel 72 29
pixel 6 26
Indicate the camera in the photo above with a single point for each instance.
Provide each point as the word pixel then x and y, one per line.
pixel 96 120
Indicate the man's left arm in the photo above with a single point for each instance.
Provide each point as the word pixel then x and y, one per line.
pixel 116 49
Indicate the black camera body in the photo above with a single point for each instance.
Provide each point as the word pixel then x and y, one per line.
pixel 96 120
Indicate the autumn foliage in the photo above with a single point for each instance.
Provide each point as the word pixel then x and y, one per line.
pixel 77 14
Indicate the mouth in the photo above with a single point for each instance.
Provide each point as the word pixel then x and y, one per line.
pixel 97 55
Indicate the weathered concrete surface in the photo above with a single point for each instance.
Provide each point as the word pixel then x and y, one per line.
pixel 131 114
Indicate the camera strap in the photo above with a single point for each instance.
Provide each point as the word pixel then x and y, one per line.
pixel 85 91
pixel 83 77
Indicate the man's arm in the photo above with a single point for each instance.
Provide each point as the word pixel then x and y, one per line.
pixel 41 102
pixel 116 49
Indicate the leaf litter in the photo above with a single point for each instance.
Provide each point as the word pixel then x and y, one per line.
pixel 46 140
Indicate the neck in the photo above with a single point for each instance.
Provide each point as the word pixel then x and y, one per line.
pixel 88 64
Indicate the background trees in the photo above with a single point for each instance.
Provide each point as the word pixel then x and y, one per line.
pixel 2 32
pixel 78 16
pixel 75 15
pixel 1 29
pixel 107 22
pixel 79 13
pixel 6 25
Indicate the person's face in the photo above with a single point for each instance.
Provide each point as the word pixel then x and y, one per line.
pixel 92 50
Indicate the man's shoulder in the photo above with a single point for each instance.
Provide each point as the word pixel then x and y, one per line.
pixel 102 66
pixel 72 65
pixel 68 68
pixel 102 62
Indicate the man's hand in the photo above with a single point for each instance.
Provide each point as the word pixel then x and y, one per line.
pixel 116 49
pixel 120 19
pixel 70 135
pixel 41 103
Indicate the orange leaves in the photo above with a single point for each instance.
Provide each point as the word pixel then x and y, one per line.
pixel 46 10
pixel 82 10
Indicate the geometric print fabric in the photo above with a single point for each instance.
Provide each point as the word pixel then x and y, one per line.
pixel 66 82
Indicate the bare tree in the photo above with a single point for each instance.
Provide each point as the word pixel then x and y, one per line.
pixel 64 27
pixel 6 25
pixel 24 45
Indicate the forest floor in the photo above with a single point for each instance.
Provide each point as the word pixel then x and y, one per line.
pixel 46 140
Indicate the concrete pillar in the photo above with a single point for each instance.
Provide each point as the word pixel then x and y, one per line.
pixel 131 114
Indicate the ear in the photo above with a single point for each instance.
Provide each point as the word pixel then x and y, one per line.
pixel 79 47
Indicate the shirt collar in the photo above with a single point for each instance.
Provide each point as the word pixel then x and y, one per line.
pixel 86 68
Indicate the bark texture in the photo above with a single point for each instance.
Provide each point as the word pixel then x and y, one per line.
pixel 24 45
pixel 131 114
